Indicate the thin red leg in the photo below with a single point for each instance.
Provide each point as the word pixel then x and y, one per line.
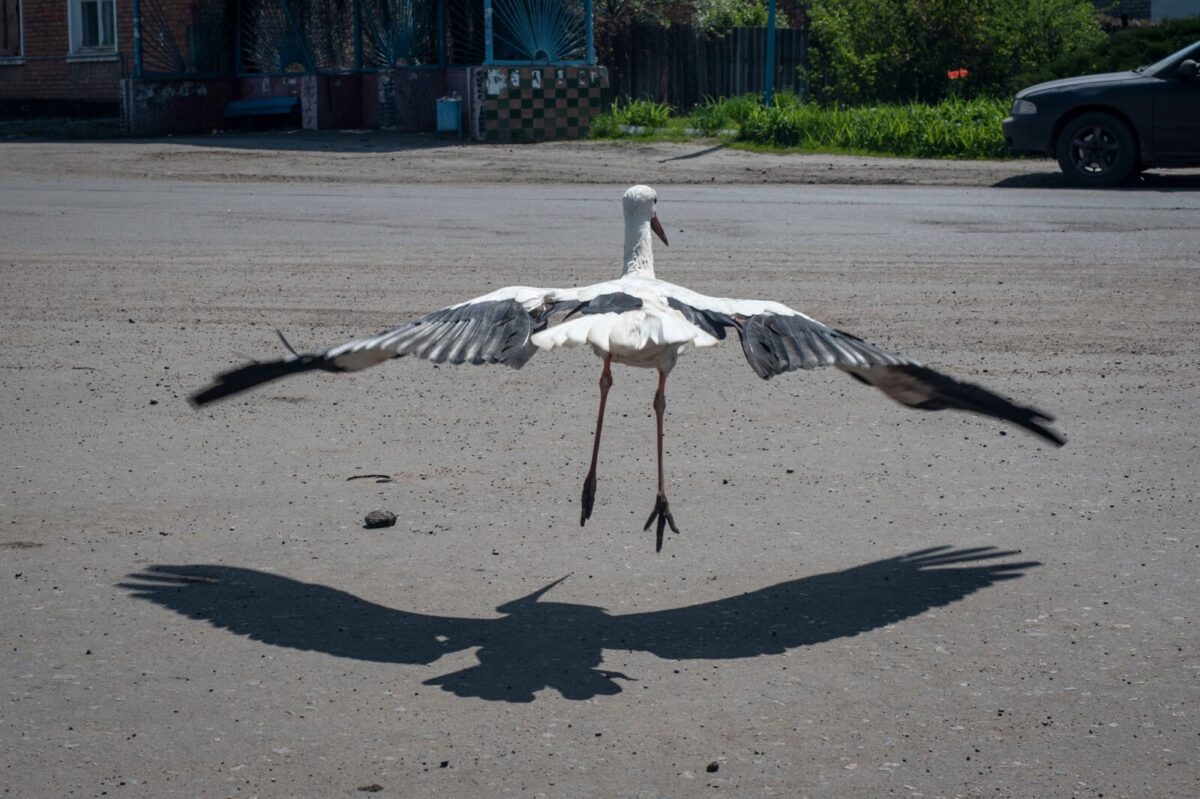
pixel 662 511
pixel 589 483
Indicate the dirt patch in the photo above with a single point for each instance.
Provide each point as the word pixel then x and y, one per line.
pixel 381 158
pixel 387 158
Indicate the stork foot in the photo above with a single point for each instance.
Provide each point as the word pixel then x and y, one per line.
pixel 661 512
pixel 589 498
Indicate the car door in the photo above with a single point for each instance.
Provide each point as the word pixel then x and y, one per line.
pixel 1177 118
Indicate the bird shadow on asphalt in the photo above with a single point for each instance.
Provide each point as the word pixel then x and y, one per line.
pixel 536 645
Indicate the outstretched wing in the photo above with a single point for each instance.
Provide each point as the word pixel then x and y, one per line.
pixel 815 609
pixel 777 339
pixel 494 328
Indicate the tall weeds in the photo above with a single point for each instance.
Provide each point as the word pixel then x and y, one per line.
pixel 953 128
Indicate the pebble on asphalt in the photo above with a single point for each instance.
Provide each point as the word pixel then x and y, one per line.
pixel 380 518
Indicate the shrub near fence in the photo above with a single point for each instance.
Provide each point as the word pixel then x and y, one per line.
pixel 949 129
pixel 682 65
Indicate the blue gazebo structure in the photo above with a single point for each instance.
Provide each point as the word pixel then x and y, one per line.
pixel 362 63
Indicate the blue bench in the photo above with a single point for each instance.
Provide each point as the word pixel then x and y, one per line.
pixel 267 106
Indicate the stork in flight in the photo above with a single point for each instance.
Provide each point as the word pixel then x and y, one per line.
pixel 637 320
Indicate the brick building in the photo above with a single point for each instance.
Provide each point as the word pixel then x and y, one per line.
pixel 64 54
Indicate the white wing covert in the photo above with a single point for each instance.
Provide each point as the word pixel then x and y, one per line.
pixel 777 339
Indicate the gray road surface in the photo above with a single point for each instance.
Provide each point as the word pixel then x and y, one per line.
pixel 192 607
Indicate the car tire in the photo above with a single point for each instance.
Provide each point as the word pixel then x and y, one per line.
pixel 1096 150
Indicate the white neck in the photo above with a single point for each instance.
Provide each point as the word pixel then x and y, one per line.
pixel 639 257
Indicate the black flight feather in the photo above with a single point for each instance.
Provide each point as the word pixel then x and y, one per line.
pixel 927 390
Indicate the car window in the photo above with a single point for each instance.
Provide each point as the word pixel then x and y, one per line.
pixel 1191 51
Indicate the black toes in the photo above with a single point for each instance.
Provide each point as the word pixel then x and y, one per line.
pixel 661 512
pixel 589 498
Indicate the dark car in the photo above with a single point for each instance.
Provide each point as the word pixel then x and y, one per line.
pixel 1104 128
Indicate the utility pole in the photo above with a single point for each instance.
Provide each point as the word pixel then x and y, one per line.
pixel 769 77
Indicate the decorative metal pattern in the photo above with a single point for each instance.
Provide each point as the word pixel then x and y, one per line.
pixel 312 36
pixel 400 33
pixel 202 45
pixel 540 31
pixel 298 35
pixel 327 27
pixel 271 41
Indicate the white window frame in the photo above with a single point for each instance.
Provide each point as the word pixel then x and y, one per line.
pixel 19 56
pixel 75 30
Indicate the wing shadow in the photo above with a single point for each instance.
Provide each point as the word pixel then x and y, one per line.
pixel 536 645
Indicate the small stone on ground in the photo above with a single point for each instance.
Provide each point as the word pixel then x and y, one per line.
pixel 380 518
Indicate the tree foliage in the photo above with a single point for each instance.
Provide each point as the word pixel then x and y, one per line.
pixel 718 16
pixel 1123 49
pixel 613 19
pixel 865 51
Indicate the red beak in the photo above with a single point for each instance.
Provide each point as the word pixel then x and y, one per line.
pixel 656 226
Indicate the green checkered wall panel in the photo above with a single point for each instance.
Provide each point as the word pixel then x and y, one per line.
pixel 528 104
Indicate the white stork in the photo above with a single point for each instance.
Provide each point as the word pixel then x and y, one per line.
pixel 637 320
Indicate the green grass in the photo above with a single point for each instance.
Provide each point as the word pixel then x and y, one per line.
pixel 949 129
pixel 655 117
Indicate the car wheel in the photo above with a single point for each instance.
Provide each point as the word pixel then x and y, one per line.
pixel 1096 149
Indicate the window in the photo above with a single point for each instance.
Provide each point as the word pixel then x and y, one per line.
pixel 93 26
pixel 10 28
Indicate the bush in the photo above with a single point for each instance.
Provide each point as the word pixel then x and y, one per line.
pixel 643 113
pixel 901 50
pixel 718 16
pixel 713 116
pixel 638 113
pixel 604 126
pixel 954 128
pixel 1124 49
pixel 951 129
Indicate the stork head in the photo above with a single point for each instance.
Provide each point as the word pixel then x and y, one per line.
pixel 639 202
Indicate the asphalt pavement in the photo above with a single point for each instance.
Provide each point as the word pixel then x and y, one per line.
pixel 863 600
